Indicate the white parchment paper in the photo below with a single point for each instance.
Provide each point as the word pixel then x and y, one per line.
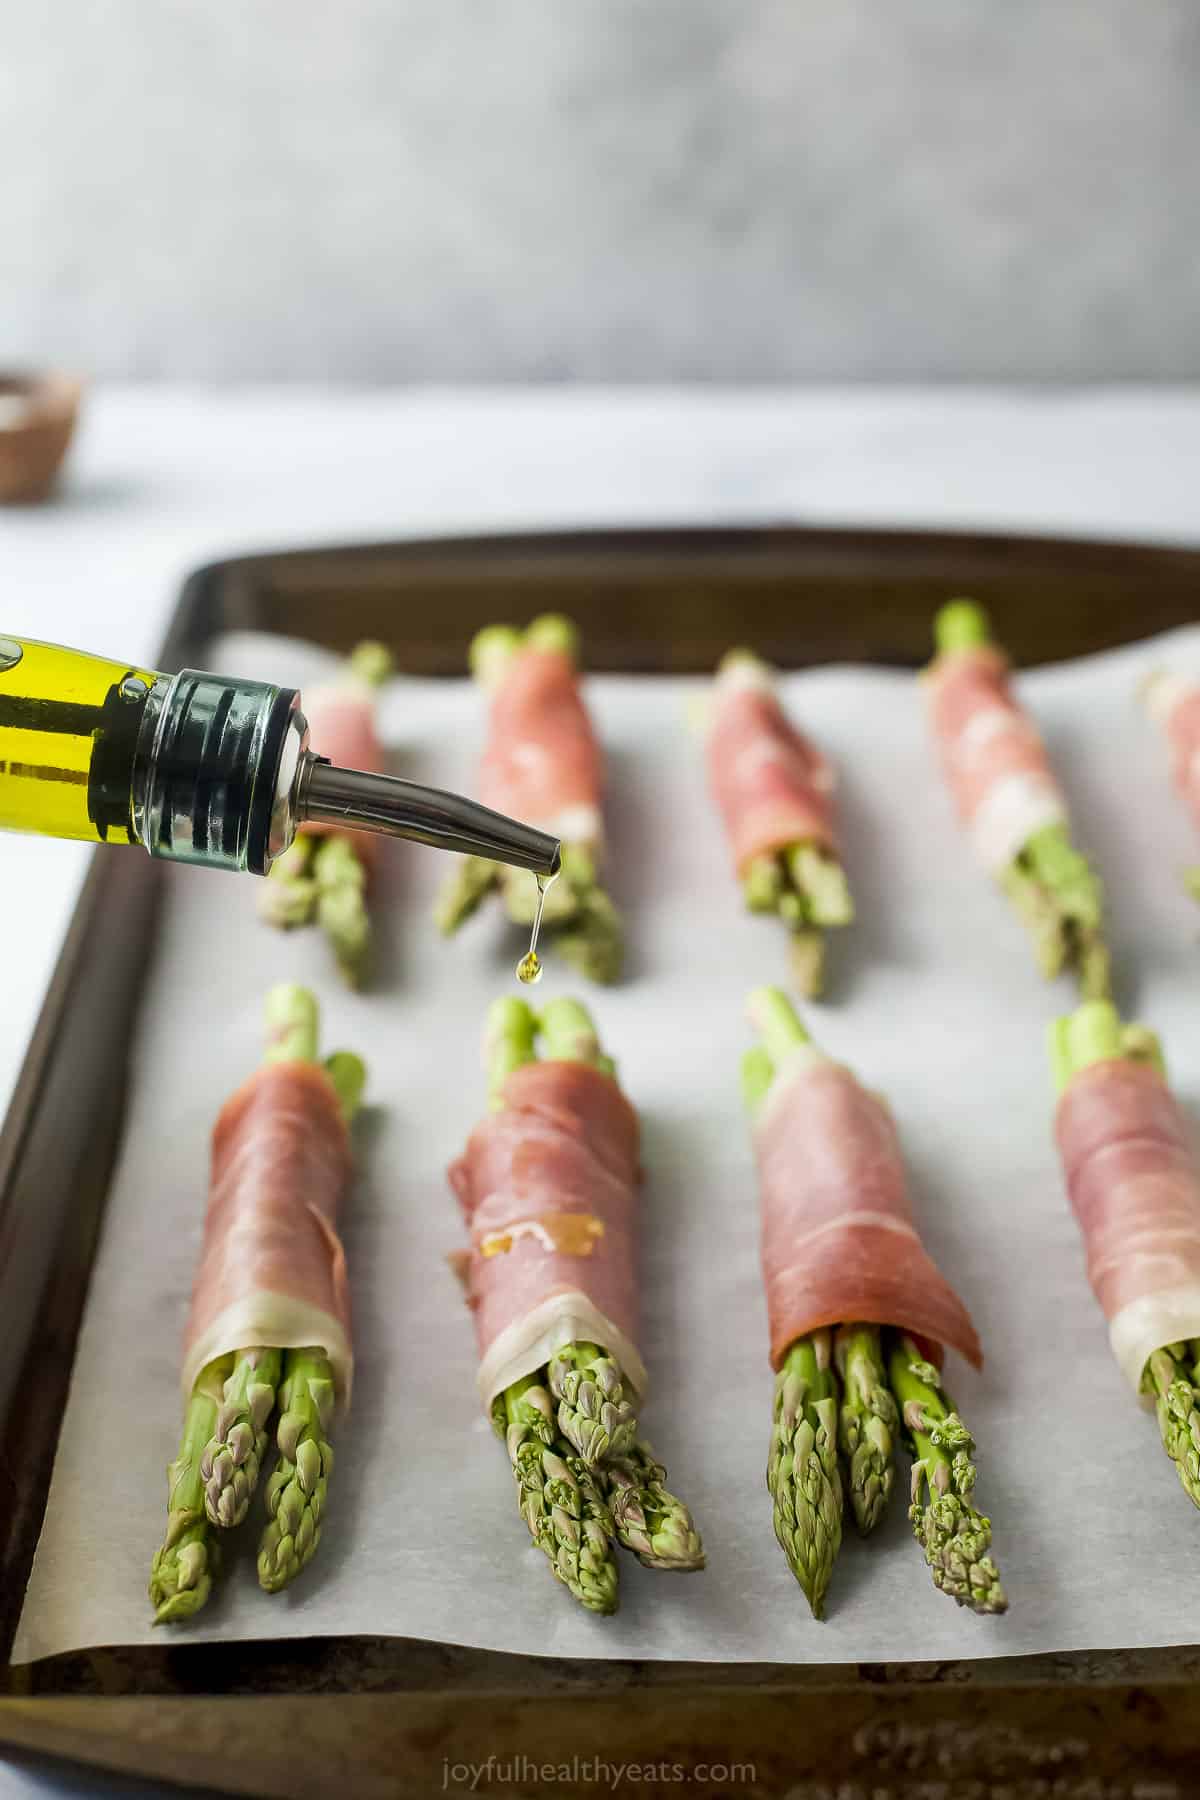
pixel 934 999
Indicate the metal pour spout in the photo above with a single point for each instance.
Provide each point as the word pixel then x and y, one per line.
pixel 325 795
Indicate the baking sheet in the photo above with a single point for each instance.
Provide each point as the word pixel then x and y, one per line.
pixel 934 999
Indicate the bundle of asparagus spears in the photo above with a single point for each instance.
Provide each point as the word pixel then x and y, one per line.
pixel 323 876
pixel 1134 1187
pixel 268 1336
pixel 543 765
pixel 547 1186
pixel 1007 795
pixel 774 790
pixel 857 1313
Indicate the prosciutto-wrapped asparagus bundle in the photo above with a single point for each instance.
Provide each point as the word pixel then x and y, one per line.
pixel 859 1316
pixel 270 1316
pixel 548 1190
pixel 324 874
pixel 542 764
pixel 1134 1188
pixel 774 790
pixel 1006 794
pixel 1174 705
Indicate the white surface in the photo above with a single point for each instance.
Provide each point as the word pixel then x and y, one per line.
pixel 937 1005
pixel 165 478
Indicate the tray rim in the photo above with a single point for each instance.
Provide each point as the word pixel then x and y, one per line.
pixel 195 620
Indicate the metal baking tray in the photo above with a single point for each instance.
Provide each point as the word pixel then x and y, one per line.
pixel 381 1716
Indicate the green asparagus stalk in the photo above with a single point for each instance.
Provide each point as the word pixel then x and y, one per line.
pixel 341 909
pixel 804 884
pixel 468 885
pixel 867 1423
pixel 802 1467
pixel 288 897
pixel 323 877
pixel 292 1022
pixel 648 1519
pixel 577 912
pixel 1094 1033
pixel 1052 888
pixel 233 1456
pixel 509 1043
pixel 955 1537
pixel 182 1574
pixel 296 1491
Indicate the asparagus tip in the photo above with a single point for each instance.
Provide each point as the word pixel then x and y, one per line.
pixel 960 625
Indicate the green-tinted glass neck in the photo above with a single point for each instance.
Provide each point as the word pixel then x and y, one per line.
pixel 69 726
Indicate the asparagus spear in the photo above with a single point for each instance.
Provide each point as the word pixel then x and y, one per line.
pixel 296 1491
pixel 233 1456
pixel 584 921
pixel 323 877
pixel 583 1475
pixel 804 884
pixel 1053 889
pixel 288 897
pixel 1093 1033
pixel 647 1518
pixel 802 1467
pixel 867 1423
pixel 955 1537
pixel 182 1574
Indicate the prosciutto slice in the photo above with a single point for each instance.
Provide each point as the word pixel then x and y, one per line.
pixel 992 753
pixel 1175 705
pixel 839 1240
pixel 772 786
pixel 548 1190
pixel 1135 1189
pixel 342 726
pixel 542 762
pixel 272 1270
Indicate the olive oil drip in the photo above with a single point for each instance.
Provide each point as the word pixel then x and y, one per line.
pixel 529 969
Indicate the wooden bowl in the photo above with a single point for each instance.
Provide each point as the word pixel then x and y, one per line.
pixel 37 419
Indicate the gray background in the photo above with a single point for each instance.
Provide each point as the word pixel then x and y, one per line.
pixel 600 189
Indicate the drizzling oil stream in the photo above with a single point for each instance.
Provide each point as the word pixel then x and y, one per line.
pixel 529 969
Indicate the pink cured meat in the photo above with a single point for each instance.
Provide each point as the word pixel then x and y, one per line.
pixel 772 786
pixel 1183 735
pixel 564 1145
pixel 280 1166
pixel 542 757
pixel 1132 1181
pixel 341 726
pixel 839 1241
pixel 984 735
